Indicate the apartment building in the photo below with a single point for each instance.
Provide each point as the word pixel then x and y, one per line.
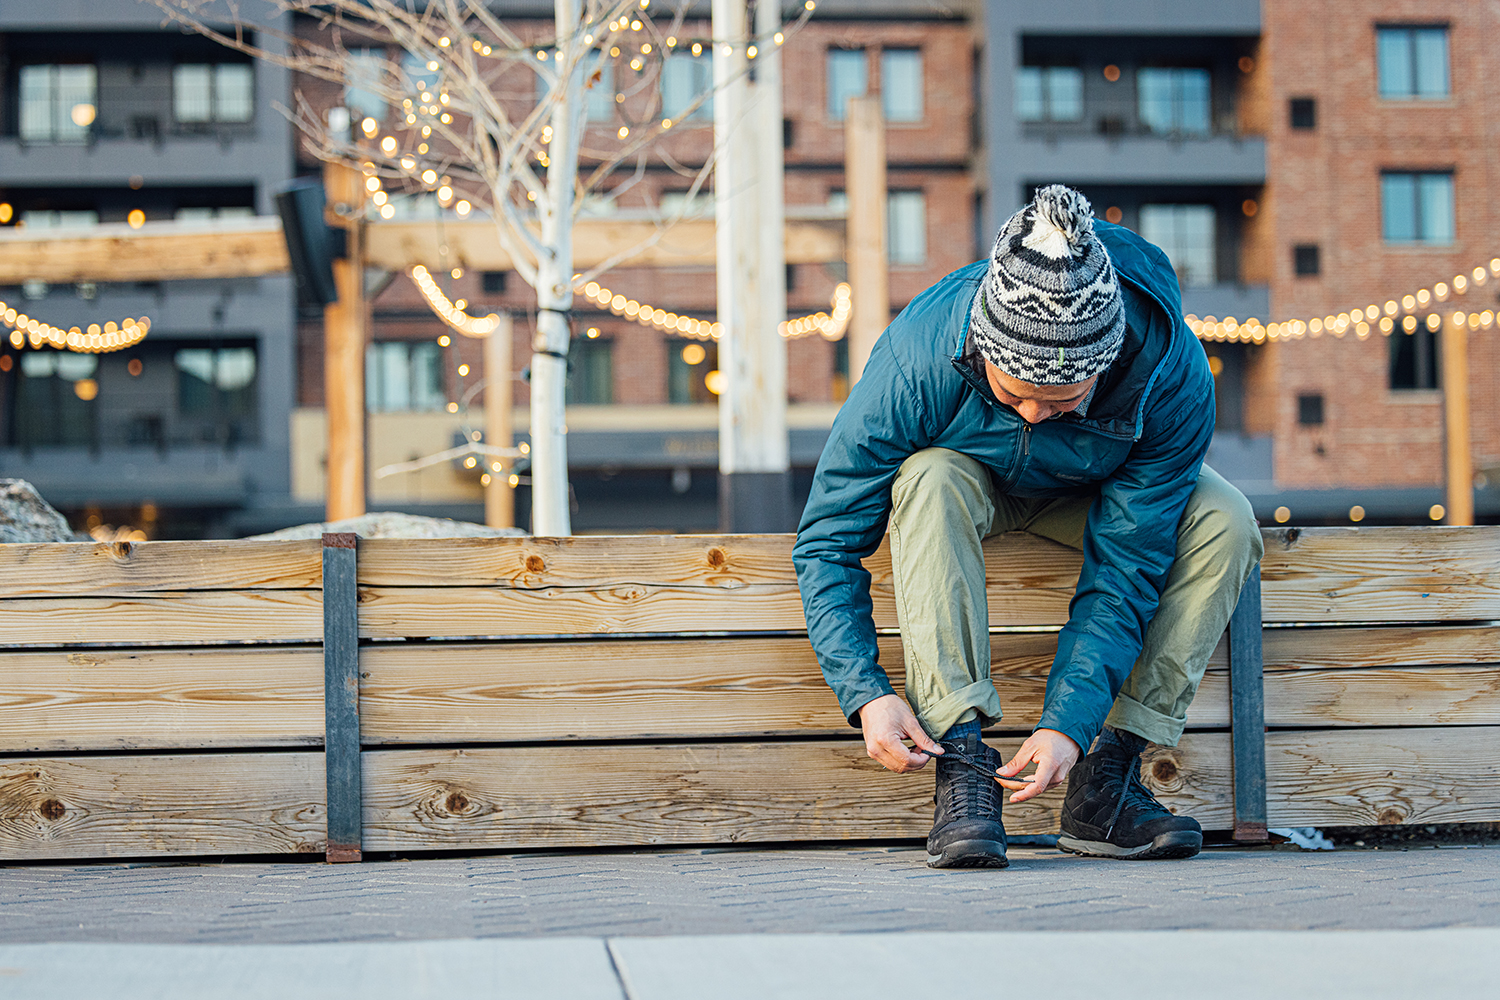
pixel 1381 149
pixel 642 417
pixel 107 119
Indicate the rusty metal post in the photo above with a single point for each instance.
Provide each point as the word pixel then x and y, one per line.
pixel 341 695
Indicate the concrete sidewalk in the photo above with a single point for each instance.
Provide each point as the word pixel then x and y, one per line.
pixel 1229 965
pixel 842 889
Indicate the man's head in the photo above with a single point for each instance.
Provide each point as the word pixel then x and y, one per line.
pixel 1049 314
pixel 1036 403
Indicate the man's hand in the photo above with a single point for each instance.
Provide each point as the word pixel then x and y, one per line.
pixel 888 720
pixel 1055 755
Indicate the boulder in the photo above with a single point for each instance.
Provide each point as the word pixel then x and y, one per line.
pixel 26 517
pixel 394 525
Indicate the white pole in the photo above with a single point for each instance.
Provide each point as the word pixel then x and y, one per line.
pixel 550 513
pixel 754 464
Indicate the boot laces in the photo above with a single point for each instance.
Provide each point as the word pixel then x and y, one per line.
pixel 1132 790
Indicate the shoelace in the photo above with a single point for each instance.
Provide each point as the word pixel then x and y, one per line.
pixel 1131 784
pixel 955 752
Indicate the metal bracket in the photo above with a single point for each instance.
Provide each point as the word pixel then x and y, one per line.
pixel 341 695
pixel 1247 713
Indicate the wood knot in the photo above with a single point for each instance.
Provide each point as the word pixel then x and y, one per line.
pixel 535 564
pixel 1164 771
pixel 716 558
pixel 1291 535
pixel 1390 817
pixel 456 802
pixel 52 809
pixel 121 549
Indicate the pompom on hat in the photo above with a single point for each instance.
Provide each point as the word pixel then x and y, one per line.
pixel 1049 311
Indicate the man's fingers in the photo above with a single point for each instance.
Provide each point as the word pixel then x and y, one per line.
pixel 1023 757
pixel 1042 780
pixel 924 743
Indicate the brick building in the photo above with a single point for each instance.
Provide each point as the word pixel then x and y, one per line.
pixel 1383 181
pixel 642 420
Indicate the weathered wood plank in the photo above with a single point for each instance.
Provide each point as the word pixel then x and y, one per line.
pixel 189 618
pixel 1394 646
pixel 109 807
pixel 1382 574
pixel 100 569
pixel 105 699
pixel 1016 561
pixel 650 794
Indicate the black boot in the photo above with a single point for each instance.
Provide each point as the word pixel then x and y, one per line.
pixel 966 828
pixel 1109 813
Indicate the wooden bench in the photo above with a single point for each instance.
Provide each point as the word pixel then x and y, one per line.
pixel 167 698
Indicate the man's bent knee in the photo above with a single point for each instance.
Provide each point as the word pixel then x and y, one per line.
pixel 1223 519
pixel 936 478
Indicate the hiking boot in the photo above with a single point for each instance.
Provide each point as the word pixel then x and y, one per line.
pixel 966 829
pixel 1109 813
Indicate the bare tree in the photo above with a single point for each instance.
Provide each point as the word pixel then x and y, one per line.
pixel 467 109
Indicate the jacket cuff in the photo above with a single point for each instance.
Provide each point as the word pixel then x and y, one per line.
pixel 853 697
pixel 1082 733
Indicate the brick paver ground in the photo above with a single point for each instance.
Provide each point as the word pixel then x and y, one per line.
pixel 662 893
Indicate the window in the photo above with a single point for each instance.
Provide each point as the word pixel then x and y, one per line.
pixel 51 408
pixel 204 216
pixel 216 393
pixel 363 72
pixel 212 92
pixel 689 363
pixel 1049 94
pixel 58 103
pixel 1310 409
pixel 591 373
pixel 1417 207
pixel 847 71
pixel 1414 359
pixel 403 376
pixel 1186 234
pixel 493 282
pixel 684 79
pixel 901 84
pixel 1303 112
pixel 50 219
pixel 905 224
pixel 1305 263
pixel 906 227
pixel 1174 100
pixel 1413 63
pixel 600 93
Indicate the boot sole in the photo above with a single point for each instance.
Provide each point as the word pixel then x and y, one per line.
pixel 1177 844
pixel 970 854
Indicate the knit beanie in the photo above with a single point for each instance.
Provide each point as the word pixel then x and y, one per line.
pixel 1049 311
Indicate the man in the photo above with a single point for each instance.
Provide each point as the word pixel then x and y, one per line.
pixel 1053 389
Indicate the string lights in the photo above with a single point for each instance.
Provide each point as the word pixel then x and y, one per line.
pixel 95 339
pixel 1362 322
pixel 451 312
pixel 831 325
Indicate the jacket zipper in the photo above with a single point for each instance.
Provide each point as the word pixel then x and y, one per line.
pixel 1023 454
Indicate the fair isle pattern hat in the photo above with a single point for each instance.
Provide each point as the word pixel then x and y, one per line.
pixel 1049 311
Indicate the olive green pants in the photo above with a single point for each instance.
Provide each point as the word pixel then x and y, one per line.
pixel 945 505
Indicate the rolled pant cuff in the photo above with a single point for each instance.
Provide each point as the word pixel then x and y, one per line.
pixel 1131 715
pixel 981 696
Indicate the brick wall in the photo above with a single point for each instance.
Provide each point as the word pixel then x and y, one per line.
pixel 1325 189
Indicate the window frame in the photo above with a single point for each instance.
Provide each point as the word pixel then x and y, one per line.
pixel 1175 100
pixel 215 98
pixel 60 125
pixel 837 112
pixel 1417 208
pixel 1412 31
pixel 886 91
pixel 1047 74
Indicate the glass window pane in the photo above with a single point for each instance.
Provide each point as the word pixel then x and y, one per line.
pixel 901 84
pixel 1193 109
pixel 192 92
pixel 1154 90
pixel 906 227
pixel 1431 52
pixel 363 72
pixel 1029 105
pixel 1065 93
pixel 36 102
pixel 1435 192
pixel 1398 207
pixel 427 377
pixel 1393 52
pixel 601 93
pixel 683 79
pixel 846 79
pixel 76 102
pixel 1186 234
pixel 234 92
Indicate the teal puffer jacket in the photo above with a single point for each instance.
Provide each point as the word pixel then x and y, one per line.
pixel 1139 448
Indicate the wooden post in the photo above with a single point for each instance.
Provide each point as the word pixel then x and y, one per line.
pixel 344 354
pixel 499 495
pixel 1456 421
pixel 341 697
pixel 755 482
pixel 864 176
